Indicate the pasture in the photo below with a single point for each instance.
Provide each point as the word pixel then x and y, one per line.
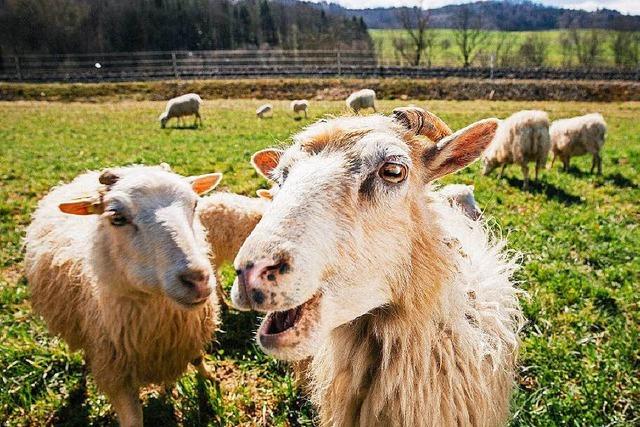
pixel 579 235
pixel 447 54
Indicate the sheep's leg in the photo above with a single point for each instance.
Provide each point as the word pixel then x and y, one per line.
pixel 525 173
pixel 553 160
pixel 593 163
pixel 504 166
pixel 599 164
pixel 198 119
pixel 305 114
pixel 126 403
pixel 374 109
pixel 202 369
pixel 535 178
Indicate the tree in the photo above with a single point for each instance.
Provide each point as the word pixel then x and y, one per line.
pixel 415 22
pixel 533 51
pixel 468 33
pixel 585 44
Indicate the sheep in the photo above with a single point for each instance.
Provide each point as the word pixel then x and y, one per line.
pixel 117 266
pixel 577 136
pixel 365 98
pixel 299 105
pixel 461 196
pixel 521 138
pixel 264 110
pixel 406 306
pixel 181 106
pixel 228 219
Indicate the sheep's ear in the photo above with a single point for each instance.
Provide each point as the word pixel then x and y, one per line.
pixel 458 150
pixel 264 161
pixel 202 184
pixel 82 206
pixel 422 122
pixel 264 194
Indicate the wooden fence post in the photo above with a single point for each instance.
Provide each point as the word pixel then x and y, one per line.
pixel 339 65
pixel 18 71
pixel 175 65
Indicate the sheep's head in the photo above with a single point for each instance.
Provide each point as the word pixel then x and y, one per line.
pixel 148 239
pixel 163 118
pixel 338 231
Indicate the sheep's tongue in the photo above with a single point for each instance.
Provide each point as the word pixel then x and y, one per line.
pixel 283 320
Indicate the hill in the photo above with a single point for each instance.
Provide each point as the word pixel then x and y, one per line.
pixel 508 15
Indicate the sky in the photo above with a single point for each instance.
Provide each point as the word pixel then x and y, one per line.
pixel 624 6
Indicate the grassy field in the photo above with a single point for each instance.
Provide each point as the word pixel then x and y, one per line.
pixel 446 53
pixel 580 360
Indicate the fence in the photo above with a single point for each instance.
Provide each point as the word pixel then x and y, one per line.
pixel 254 63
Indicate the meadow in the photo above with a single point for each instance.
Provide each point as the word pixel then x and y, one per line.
pixel 447 54
pixel 579 235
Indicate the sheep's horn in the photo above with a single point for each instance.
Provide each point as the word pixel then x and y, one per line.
pixel 108 177
pixel 422 122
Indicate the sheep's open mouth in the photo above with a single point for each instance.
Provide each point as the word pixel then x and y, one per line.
pixel 282 327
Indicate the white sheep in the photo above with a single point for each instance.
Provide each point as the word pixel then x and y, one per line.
pixel 521 138
pixel 299 105
pixel 264 110
pixel 365 98
pixel 461 196
pixel 117 266
pixel 577 136
pixel 181 106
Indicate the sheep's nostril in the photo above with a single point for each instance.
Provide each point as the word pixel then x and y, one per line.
pixel 196 280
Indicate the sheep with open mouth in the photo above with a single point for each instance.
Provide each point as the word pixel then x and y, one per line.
pixel 406 305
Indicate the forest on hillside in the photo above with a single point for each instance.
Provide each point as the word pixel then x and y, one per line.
pixel 82 26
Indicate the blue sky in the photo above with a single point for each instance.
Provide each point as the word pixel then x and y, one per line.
pixel 625 6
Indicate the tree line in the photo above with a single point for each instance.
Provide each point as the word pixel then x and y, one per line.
pixel 583 43
pixel 101 26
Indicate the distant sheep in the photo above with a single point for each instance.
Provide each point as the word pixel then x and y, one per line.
pixel 117 265
pixel 365 98
pixel 461 196
pixel 299 105
pixel 577 136
pixel 521 138
pixel 182 106
pixel 264 110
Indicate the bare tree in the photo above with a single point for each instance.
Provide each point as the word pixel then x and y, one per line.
pixel 625 43
pixel 468 34
pixel 503 49
pixel 419 43
pixel 533 51
pixel 585 44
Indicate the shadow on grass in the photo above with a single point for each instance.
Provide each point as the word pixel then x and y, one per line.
pixel 73 412
pixel 550 191
pixel 620 181
pixel 159 411
pixel 238 331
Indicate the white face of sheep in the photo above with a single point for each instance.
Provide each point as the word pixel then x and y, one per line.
pixel 338 231
pixel 148 233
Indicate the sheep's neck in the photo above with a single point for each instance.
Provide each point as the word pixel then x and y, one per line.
pixel 374 369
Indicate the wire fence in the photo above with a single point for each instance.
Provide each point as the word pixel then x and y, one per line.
pixel 258 63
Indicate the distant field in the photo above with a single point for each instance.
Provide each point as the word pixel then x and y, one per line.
pixel 446 53
pixel 580 235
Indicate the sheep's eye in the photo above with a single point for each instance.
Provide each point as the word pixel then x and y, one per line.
pixel 394 173
pixel 117 219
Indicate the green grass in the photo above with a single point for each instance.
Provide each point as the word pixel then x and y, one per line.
pixel 580 235
pixel 447 54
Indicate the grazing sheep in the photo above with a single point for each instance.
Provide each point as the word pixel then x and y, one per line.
pixel 117 266
pixel 521 138
pixel 461 196
pixel 577 136
pixel 182 106
pixel 365 98
pixel 299 105
pixel 264 110
pixel 406 305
